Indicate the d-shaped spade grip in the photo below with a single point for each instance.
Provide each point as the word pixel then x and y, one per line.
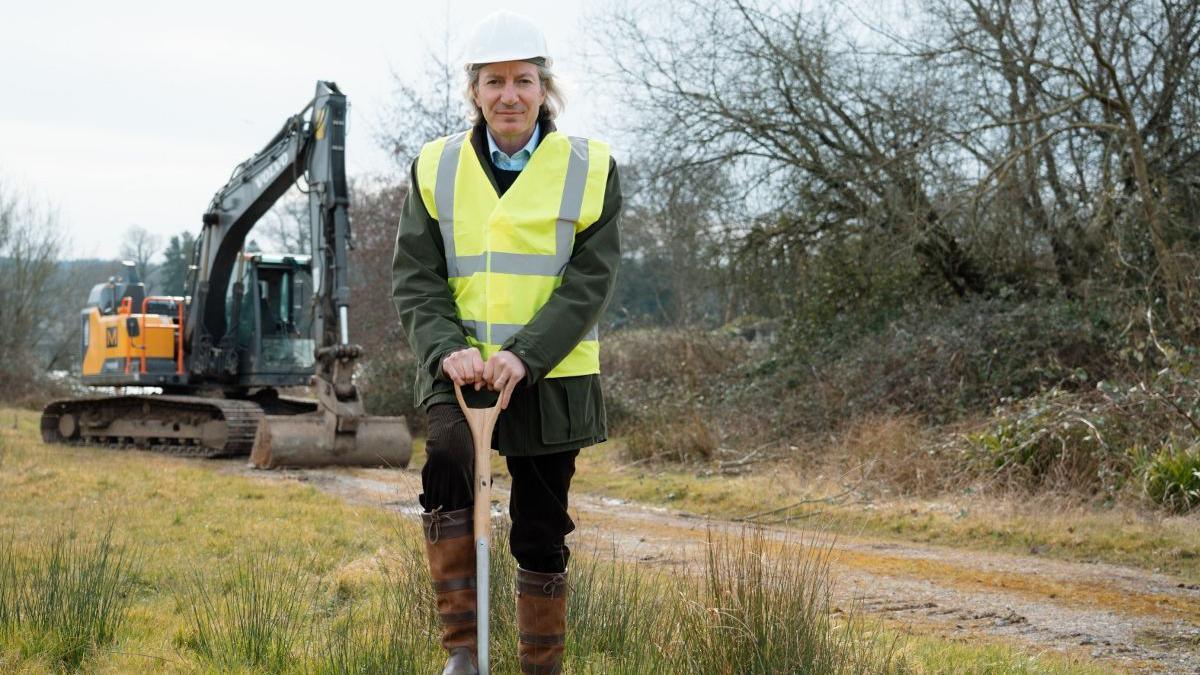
pixel 481 421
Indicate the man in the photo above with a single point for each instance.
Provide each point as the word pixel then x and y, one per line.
pixel 505 258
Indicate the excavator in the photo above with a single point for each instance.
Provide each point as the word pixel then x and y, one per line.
pixel 253 328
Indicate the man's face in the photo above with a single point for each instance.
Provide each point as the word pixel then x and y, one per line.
pixel 510 94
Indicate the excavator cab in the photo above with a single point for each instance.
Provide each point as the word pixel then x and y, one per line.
pixel 107 296
pixel 276 345
pixel 129 338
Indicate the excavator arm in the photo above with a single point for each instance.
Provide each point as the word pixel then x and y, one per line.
pixel 309 150
pixel 309 146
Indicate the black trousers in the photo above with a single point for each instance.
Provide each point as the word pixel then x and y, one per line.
pixel 537 504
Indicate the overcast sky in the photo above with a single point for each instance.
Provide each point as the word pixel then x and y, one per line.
pixel 122 113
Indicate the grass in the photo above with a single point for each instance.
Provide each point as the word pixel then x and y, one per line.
pixel 62 599
pixel 1058 528
pixel 949 656
pixel 253 615
pixel 237 574
pixel 187 520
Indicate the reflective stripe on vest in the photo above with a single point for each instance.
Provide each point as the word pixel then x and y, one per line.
pixel 505 255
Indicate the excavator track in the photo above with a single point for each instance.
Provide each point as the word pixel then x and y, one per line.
pixel 191 426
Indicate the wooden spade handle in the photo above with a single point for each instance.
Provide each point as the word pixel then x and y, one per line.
pixel 481 421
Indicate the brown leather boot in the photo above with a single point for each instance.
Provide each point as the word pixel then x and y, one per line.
pixel 450 549
pixel 541 621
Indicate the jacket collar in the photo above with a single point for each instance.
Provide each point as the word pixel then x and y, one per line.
pixel 480 143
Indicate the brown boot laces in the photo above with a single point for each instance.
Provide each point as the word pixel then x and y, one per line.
pixel 435 525
pixel 559 579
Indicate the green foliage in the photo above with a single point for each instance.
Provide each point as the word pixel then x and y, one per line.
pixel 1047 370
pixel 63 599
pixel 683 394
pixel 852 289
pixel 1172 478
pixel 1059 440
pixel 176 258
pixel 944 362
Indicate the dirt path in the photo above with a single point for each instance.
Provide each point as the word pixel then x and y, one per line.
pixel 1127 618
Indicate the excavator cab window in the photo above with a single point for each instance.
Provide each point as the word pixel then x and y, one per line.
pixel 274 324
pixel 136 292
pixel 283 297
pixel 103 297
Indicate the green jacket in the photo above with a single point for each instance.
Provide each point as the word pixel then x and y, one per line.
pixel 545 415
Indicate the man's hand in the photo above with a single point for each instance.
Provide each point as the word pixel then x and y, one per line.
pixel 464 367
pixel 502 372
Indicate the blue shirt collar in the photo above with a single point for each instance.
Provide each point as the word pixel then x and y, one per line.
pixel 520 158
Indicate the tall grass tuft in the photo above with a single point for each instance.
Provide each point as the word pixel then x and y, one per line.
pixel 612 614
pixel 256 613
pixel 62 600
pixel 769 611
pixel 366 640
pixel 395 633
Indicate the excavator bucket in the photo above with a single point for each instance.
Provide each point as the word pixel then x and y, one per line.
pixel 323 439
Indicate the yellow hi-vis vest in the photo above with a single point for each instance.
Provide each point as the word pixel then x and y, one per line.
pixel 505 255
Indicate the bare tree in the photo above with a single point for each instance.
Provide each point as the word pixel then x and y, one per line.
pixel 826 140
pixel 140 246
pixel 1082 113
pixel 29 251
pixel 60 344
pixel 998 146
pixel 672 238
pixel 426 107
pixel 285 227
pixel 376 211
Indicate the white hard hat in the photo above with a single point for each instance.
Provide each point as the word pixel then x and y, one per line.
pixel 505 36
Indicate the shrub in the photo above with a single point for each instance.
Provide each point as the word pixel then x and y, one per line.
pixel 698 390
pixel 1093 442
pixel 685 356
pixel 1061 441
pixel 894 454
pixel 946 363
pixel 662 390
pixel 26 388
pixel 670 433
pixel 1172 478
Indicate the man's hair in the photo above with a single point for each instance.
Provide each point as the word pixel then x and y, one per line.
pixel 555 102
